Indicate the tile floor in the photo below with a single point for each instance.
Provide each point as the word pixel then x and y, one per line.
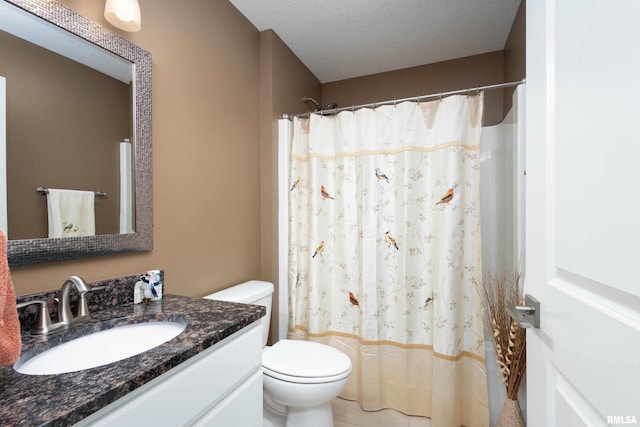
pixel 349 414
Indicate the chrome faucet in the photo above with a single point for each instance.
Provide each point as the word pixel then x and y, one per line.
pixel 43 325
pixel 64 309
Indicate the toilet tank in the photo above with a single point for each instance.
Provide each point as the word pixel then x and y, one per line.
pixel 251 292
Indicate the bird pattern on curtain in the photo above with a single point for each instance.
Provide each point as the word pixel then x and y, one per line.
pixel 384 251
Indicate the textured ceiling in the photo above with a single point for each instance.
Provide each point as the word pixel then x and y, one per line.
pixel 340 39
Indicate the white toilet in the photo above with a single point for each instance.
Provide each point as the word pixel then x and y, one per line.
pixel 300 377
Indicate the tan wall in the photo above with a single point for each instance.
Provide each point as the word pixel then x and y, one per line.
pixel 65 124
pixel 284 82
pixel 490 68
pixel 515 52
pixel 472 71
pixel 206 152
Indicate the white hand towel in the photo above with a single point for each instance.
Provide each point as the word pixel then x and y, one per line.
pixel 71 213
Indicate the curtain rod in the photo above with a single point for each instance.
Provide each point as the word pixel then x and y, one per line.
pixel 413 98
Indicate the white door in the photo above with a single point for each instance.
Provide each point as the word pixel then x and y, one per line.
pixel 583 212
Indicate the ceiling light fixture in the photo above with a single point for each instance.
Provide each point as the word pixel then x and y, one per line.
pixel 123 14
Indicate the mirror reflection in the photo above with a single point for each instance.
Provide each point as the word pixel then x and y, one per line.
pixel 75 107
pixel 67 109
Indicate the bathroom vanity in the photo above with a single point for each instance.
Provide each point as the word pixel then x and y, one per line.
pixel 221 386
pixel 207 375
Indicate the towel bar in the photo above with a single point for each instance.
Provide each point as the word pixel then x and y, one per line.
pixel 45 190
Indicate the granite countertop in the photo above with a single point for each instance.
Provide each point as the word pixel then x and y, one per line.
pixel 65 399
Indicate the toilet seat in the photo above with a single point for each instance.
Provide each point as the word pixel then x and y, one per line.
pixel 304 380
pixel 305 362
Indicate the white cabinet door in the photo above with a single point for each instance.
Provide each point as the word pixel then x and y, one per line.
pixel 583 212
pixel 238 409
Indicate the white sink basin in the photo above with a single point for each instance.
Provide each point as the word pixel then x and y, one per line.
pixel 100 348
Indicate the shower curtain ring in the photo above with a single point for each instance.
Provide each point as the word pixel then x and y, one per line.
pixel 353 108
pixel 440 96
pixel 478 90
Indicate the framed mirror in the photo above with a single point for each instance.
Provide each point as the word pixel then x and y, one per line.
pixel 70 37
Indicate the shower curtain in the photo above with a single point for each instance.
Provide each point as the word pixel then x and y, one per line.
pixel 385 253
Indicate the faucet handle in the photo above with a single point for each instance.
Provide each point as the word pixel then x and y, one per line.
pixel 42 325
pixel 83 306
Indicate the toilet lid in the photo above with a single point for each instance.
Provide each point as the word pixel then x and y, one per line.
pixel 305 359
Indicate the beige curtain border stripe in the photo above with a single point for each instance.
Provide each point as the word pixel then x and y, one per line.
pixel 393 343
pixel 396 151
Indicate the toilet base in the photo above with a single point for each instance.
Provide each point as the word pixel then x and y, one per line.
pixel 314 416
pixel 271 419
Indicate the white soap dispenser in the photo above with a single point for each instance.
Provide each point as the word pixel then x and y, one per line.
pixel 138 292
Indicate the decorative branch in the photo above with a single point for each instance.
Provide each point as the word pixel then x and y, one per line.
pixel 509 339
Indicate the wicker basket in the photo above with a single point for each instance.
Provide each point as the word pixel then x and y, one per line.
pixel 511 415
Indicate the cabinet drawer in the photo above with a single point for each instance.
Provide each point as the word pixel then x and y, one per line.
pixel 190 389
pixel 242 408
